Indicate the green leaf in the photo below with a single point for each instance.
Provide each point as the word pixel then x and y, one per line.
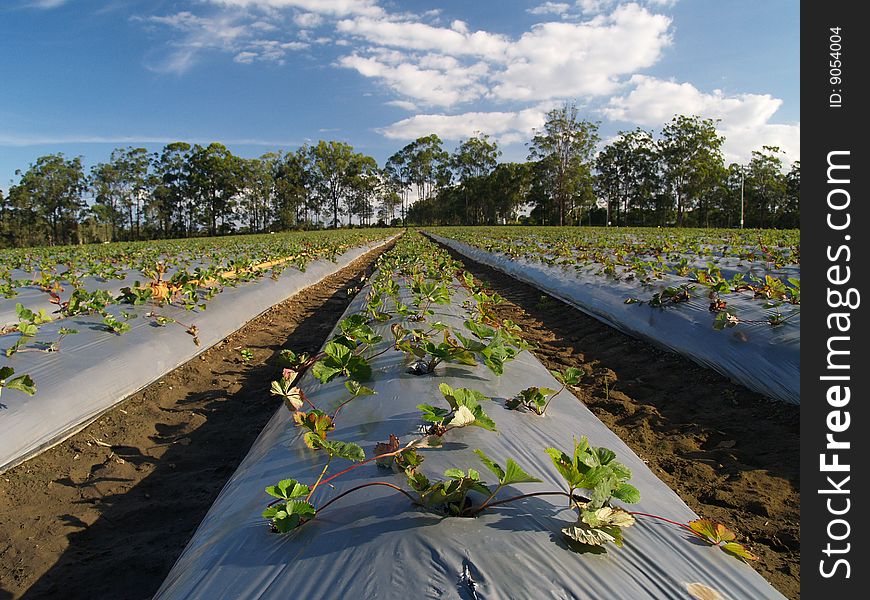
pixel 491 465
pixel 565 466
pixel 515 474
pixel 23 383
pixel 287 489
pixel 570 376
pixel 454 473
pixel 356 389
pixel 28 329
pixel 339 352
pixel 627 493
pixel 346 450
pixel 358 369
pixel 324 372
pixel 433 413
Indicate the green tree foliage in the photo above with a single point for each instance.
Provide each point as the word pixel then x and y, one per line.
pixel 628 177
pixel 169 203
pixel 566 145
pixel 214 179
pixel 692 163
pixel 49 198
pixel 676 177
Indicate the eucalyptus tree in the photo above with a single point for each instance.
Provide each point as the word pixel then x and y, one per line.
pixel 791 217
pixel 106 186
pixel 172 204
pixel 765 187
pixel 257 190
pixel 213 181
pixel 294 188
pixel 472 161
pixel 121 186
pixel 507 189
pixel 363 188
pixel 397 171
pixel 564 147
pixel 627 175
pixel 423 165
pixel 52 189
pixel 338 173
pixel 692 162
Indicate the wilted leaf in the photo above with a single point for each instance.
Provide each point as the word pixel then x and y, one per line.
pixel 462 417
pixel 738 550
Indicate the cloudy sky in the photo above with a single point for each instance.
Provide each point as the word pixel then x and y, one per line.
pixel 84 76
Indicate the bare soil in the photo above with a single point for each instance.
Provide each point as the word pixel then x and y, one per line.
pixel 105 514
pixel 732 455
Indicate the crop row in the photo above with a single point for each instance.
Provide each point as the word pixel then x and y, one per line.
pixel 668 265
pixel 425 310
pixel 62 283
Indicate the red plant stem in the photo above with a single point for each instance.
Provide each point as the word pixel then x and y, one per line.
pixel 666 520
pixel 339 407
pixel 365 485
pixel 521 497
pixel 356 466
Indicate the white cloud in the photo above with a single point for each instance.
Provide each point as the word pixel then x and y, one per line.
pixel 568 60
pixel 655 101
pixel 435 80
pixel 308 19
pixel 414 35
pixel 506 127
pixel 552 60
pixel 245 58
pixel 744 118
pixel 403 104
pixel 549 8
pixel 231 33
pixel 336 8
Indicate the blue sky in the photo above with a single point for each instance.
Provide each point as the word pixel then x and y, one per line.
pixel 85 76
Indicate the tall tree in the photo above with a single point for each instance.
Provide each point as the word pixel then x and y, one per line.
pixel 765 187
pixel 692 162
pixel 171 203
pixel 335 169
pixel 565 147
pixel 214 180
pixel 628 176
pixel 398 172
pixel 363 188
pixel 791 216
pixel 52 188
pixel 472 161
pixel 257 186
pixel 294 188
pixel 427 165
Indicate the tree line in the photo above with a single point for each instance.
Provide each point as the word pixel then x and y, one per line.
pixel 677 178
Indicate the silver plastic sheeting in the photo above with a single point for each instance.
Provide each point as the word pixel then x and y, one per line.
pixel 95 369
pixel 375 544
pixel 763 358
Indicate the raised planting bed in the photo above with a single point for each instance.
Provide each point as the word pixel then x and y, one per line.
pixel 425 453
pixel 63 380
pixel 745 326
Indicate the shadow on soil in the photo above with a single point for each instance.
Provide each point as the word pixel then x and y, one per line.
pixel 128 551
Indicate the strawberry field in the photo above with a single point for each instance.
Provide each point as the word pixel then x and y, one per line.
pixel 83 327
pixel 729 300
pixel 423 442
